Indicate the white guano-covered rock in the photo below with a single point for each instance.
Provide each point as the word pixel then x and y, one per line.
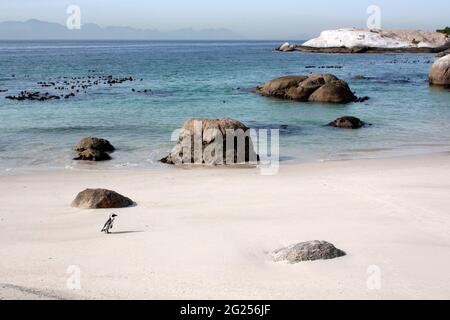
pixel 352 38
pixel 285 47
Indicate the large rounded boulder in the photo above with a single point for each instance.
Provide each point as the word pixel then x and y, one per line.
pixel 213 142
pixel 101 199
pixel 313 88
pixel 440 72
pixel 335 92
pixel 307 251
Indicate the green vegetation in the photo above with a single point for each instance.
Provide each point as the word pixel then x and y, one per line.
pixel 444 31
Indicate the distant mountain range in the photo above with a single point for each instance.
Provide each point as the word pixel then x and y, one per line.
pixel 40 30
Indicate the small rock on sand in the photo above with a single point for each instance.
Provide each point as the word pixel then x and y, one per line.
pixel 307 251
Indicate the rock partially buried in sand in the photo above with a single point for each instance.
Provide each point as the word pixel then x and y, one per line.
pixel 94 143
pixel 440 72
pixel 313 88
pixel 347 122
pixel 93 155
pixel 101 199
pixel 213 142
pixel 307 251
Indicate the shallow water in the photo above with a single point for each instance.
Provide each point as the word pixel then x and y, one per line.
pixel 209 79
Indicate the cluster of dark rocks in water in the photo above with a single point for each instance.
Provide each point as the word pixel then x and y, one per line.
pixel 324 88
pixel 362 99
pixel 110 80
pixel 35 95
pixel 142 91
pixel 71 86
pixel 323 67
pixel 313 88
pixel 409 61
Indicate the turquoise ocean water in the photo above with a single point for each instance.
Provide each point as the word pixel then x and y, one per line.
pixel 209 79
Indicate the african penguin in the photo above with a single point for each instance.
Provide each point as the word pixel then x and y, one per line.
pixel 109 223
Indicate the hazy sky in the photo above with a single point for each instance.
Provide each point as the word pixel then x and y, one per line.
pixel 267 19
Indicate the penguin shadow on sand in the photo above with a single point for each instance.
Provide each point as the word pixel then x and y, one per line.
pixel 110 223
pixel 126 232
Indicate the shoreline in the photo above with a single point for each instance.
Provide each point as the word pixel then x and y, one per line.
pixel 357 154
pixel 220 225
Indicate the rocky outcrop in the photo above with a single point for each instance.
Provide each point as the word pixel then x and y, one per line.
pixel 440 72
pixel 286 47
pixel 347 122
pixel 443 53
pixel 389 39
pixel 100 199
pixel 93 149
pixel 213 142
pixel 313 88
pixel 376 41
pixel 307 251
pixel 63 88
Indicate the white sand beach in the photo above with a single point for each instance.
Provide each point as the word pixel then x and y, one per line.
pixel 206 233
